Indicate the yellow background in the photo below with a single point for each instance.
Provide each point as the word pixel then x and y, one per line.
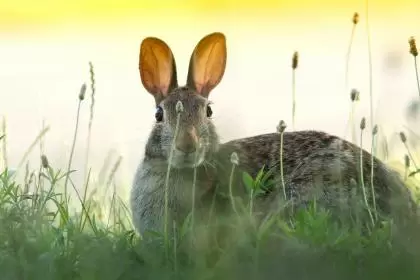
pixel 45 47
pixel 24 13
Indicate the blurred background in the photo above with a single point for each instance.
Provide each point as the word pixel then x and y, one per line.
pixel 46 47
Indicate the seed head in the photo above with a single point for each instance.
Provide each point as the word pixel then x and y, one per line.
pixel 82 92
pixel 375 130
pixel 234 158
pixel 363 123
pixel 179 107
pixel 407 161
pixel 354 95
pixel 281 127
pixel 413 48
pixel 403 137
pixel 355 18
pixel 44 161
pixel 295 60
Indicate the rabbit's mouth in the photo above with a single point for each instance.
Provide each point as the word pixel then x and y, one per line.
pixel 181 159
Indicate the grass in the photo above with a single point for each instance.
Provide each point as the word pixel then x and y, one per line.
pixel 42 237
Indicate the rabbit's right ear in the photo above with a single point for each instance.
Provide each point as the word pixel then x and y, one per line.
pixel 157 68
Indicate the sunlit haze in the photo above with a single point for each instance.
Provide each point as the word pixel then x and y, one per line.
pixel 46 46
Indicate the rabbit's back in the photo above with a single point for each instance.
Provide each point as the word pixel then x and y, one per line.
pixel 317 164
pixel 264 150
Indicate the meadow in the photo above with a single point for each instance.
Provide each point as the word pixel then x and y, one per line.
pixel 49 229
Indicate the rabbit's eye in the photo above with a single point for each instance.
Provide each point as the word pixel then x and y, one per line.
pixel 209 111
pixel 159 114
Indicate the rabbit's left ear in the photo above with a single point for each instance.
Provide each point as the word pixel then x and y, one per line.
pixel 157 68
pixel 207 63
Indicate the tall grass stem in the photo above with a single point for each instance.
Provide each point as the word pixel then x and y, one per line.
pixel 72 149
pixel 92 107
pixel 362 181
pixel 171 153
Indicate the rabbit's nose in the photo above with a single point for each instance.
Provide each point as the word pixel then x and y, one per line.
pixel 187 141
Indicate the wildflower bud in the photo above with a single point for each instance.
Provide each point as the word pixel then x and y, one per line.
pixel 234 158
pixel 403 137
pixel 44 161
pixel 407 161
pixel 295 60
pixel 413 47
pixel 354 95
pixel 281 127
pixel 355 18
pixel 179 107
pixel 363 123
pixel 82 92
pixel 375 130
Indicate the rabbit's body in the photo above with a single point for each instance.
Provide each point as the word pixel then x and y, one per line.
pixel 315 164
pixel 319 165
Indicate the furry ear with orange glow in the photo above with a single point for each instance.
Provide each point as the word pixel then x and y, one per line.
pixel 207 63
pixel 157 68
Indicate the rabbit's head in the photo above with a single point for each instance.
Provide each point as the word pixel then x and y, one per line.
pixel 183 114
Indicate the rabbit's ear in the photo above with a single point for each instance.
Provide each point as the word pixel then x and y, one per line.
pixel 207 63
pixel 157 68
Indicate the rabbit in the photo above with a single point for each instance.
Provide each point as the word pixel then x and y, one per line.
pixel 196 142
pixel 315 163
